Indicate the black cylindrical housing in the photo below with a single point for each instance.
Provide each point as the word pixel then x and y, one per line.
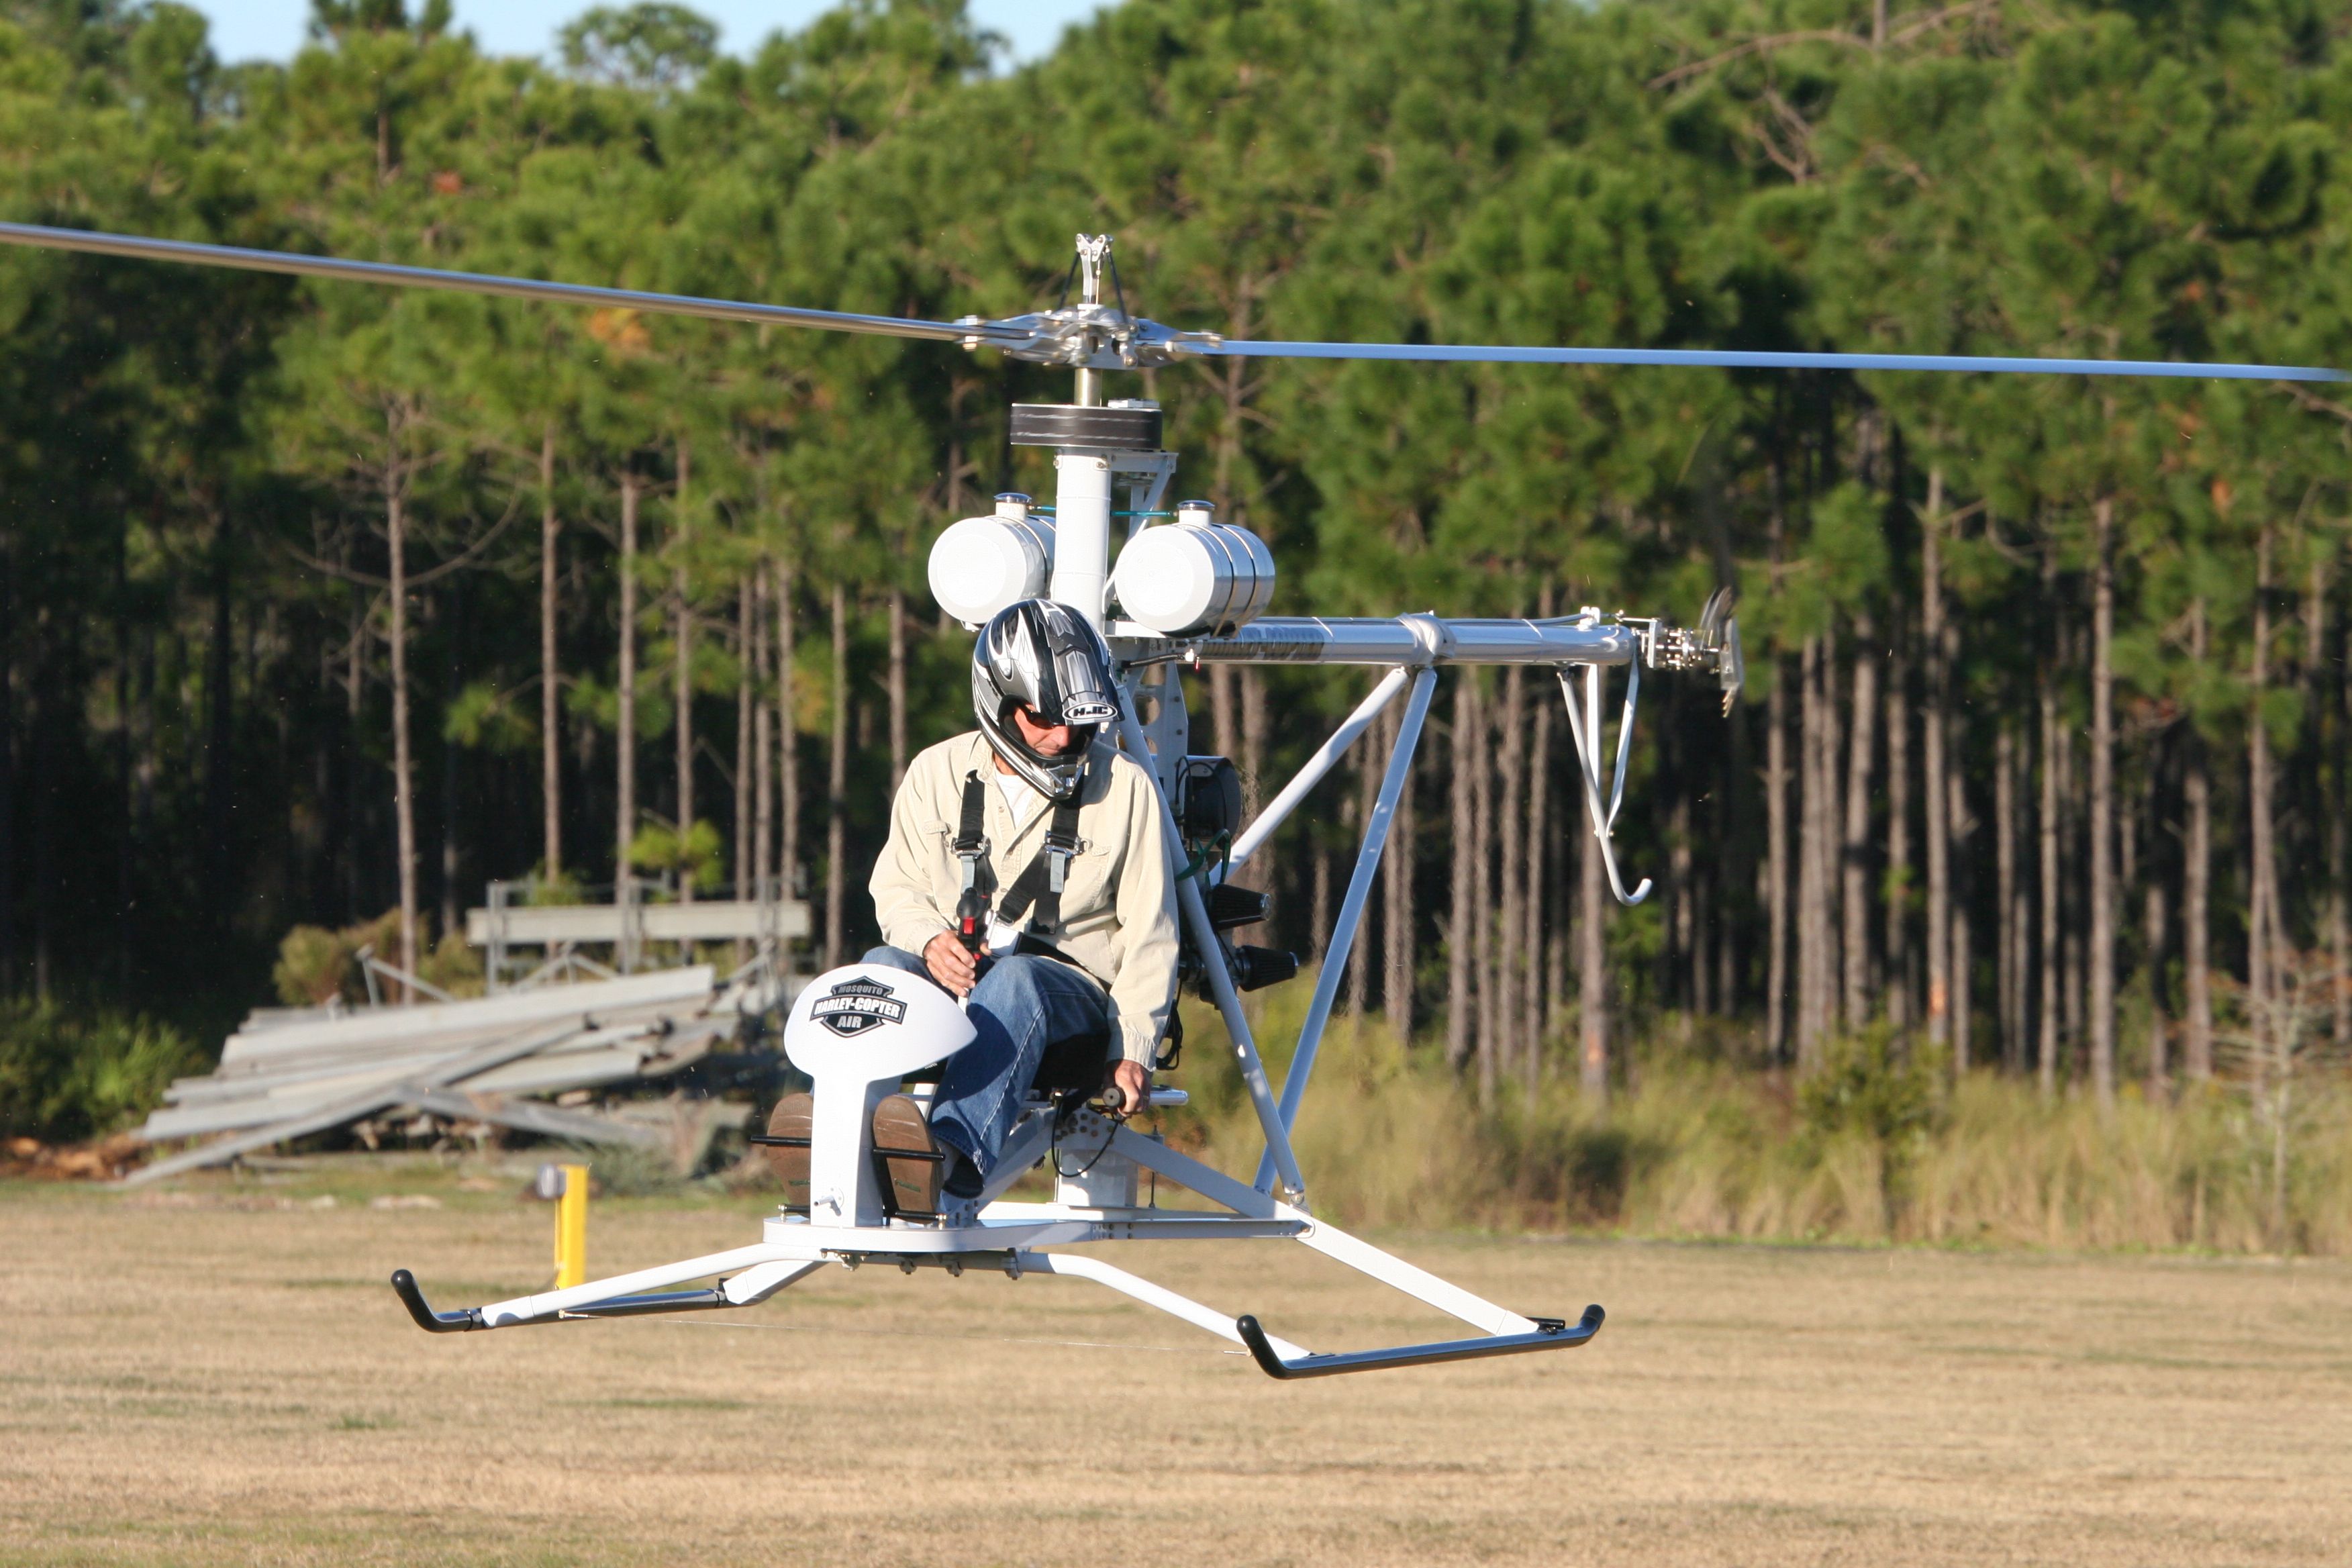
pixel 1073 425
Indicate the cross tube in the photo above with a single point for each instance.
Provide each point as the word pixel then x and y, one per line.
pixel 1403 640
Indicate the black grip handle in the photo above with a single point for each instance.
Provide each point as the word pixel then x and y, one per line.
pixel 972 921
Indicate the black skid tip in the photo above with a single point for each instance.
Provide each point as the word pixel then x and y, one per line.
pixel 1593 1318
pixel 412 1296
pixel 1261 1349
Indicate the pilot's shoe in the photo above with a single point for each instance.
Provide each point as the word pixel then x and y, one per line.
pixel 792 1120
pixel 910 1161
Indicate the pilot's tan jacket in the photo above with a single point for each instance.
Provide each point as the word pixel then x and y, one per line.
pixel 1119 903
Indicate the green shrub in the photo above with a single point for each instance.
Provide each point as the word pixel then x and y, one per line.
pixel 313 967
pixel 67 1075
pixel 316 965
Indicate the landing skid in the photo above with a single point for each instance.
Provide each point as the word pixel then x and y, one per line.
pixel 1017 1239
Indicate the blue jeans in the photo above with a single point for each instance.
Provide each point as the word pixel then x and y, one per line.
pixel 1022 1005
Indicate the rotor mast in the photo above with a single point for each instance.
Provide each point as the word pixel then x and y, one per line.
pixel 1093 250
pixel 1082 474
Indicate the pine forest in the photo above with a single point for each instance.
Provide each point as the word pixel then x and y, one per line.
pixel 2023 859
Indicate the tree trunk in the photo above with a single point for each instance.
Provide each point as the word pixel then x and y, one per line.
pixel 1224 710
pixel 763 745
pixel 1482 887
pixel 2264 943
pixel 1368 782
pixel 1508 980
pixel 452 791
pixel 1897 881
pixel 219 860
pixel 788 736
pixel 2006 953
pixel 2315 854
pixel 837 794
pixel 1961 825
pixel 1857 831
pixel 1592 970
pixel 1538 880
pixel 1319 918
pixel 550 699
pixel 1817 932
pixel 897 687
pixel 747 621
pixel 1935 734
pixel 354 688
pixel 2102 807
pixel 1681 945
pixel 1253 741
pixel 2197 884
pixel 1458 921
pixel 2334 805
pixel 2070 888
pixel 1776 878
pixel 403 773
pixel 10 841
pixel 682 683
pixel 625 724
pixel 1809 857
pixel 2046 825
pixel 1396 984
pixel 2155 938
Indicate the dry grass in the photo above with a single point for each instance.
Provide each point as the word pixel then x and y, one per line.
pixel 1695 1148
pixel 214 1385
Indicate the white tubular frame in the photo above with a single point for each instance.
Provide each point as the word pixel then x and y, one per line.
pixel 1014 1238
pixel 1326 756
pixel 1586 728
pixel 1360 892
pixel 1195 910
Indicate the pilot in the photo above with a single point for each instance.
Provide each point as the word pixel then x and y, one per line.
pixel 1026 874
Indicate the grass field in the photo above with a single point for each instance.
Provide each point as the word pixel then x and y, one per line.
pixel 220 1376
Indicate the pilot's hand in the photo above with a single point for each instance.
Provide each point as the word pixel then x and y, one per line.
pixel 1133 1082
pixel 950 964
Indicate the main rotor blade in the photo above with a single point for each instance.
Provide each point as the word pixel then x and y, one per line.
pixel 98 243
pixel 1741 359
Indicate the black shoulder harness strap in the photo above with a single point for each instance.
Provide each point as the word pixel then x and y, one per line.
pixel 970 845
pixel 1037 891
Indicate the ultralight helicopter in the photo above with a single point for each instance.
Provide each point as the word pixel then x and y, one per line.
pixel 1180 593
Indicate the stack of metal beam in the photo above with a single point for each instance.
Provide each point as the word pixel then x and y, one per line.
pixel 288 1075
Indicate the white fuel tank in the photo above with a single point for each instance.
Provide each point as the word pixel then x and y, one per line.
pixel 1196 576
pixel 981 564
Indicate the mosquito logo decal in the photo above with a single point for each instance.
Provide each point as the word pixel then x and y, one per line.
pixel 856 1006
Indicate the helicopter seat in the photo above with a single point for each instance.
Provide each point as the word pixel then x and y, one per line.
pixel 858 1031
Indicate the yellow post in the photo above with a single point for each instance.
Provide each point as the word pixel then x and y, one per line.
pixel 571 1228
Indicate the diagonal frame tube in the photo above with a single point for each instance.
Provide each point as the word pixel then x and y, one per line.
pixel 1141 1290
pixel 1195 910
pixel 1321 1236
pixel 1351 909
pixel 1324 759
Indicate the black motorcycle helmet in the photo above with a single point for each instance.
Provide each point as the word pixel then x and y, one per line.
pixel 1045 657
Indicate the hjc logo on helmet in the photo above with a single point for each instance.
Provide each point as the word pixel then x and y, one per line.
pixel 856 1006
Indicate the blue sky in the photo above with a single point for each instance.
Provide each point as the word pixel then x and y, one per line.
pixel 273 29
